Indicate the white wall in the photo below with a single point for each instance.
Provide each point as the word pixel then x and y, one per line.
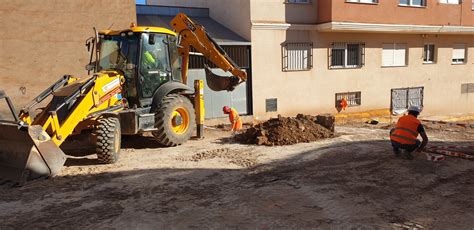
pixel 234 14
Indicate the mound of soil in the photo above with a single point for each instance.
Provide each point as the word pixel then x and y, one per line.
pixel 289 130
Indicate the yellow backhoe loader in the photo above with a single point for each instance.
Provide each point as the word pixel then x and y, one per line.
pixel 139 85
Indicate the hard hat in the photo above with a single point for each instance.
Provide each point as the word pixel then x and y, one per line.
pixel 414 108
pixel 226 109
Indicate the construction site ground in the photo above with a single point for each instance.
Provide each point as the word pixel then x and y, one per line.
pixel 349 181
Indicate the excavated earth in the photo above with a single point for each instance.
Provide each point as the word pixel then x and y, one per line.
pixel 286 131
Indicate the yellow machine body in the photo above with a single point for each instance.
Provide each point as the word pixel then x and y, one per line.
pixel 31 150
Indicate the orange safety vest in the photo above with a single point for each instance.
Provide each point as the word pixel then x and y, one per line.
pixel 234 119
pixel 343 103
pixel 406 130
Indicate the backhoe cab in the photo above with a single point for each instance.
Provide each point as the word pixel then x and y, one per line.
pixel 139 85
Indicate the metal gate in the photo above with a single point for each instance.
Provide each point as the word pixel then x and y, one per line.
pixel 402 98
pixel 213 101
pixel 239 99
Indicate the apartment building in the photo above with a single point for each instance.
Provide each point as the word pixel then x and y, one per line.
pixel 307 55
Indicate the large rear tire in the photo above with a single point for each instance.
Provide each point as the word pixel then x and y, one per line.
pixel 175 120
pixel 108 136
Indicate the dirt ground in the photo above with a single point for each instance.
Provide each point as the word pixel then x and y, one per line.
pixel 352 181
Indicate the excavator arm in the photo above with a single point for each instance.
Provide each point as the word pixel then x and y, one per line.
pixel 191 34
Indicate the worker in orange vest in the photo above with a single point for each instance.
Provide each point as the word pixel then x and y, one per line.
pixel 234 118
pixel 404 135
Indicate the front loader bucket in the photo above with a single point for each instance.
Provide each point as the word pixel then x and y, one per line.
pixel 219 83
pixel 27 154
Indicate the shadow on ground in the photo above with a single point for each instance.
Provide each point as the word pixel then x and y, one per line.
pixel 349 184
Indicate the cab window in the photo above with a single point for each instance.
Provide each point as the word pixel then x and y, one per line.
pixel 154 63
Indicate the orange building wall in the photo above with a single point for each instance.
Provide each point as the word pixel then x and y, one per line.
pixel 389 12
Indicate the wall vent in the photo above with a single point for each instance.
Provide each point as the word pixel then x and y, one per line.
pixel 467 88
pixel 271 105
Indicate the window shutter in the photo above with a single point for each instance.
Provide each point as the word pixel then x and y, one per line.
pixel 400 55
pixel 362 54
pixel 388 53
pixel 293 58
pixel 459 51
pixel 297 56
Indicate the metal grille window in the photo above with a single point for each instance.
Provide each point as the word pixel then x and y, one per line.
pixel 347 55
pixel 402 98
pixel 239 54
pixel 297 56
pixel 429 53
pixel 353 98
pixel 467 88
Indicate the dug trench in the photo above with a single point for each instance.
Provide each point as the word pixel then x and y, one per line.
pixel 349 181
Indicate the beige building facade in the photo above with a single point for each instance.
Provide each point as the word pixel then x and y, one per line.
pixel 308 55
pixel 44 40
pixel 377 32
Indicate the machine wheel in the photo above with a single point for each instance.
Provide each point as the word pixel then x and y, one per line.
pixel 175 120
pixel 108 136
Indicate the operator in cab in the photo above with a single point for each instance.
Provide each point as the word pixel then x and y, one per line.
pixel 404 135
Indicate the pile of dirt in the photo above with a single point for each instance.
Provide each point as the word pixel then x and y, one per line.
pixel 289 130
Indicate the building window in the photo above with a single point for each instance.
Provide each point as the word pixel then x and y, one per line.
pixel 403 98
pixel 297 1
pixel 347 55
pixel 459 54
pixel 363 1
pixel 352 99
pixel 394 54
pixel 297 56
pixel 450 1
pixel 413 3
pixel 429 53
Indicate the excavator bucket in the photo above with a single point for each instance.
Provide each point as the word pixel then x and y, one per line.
pixel 27 153
pixel 219 83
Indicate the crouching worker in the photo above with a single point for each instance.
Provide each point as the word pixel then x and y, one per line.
pixel 404 135
pixel 234 119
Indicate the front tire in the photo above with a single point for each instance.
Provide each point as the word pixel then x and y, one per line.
pixel 175 120
pixel 108 136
